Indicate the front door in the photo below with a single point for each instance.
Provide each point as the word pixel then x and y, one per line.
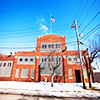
pixel 77 75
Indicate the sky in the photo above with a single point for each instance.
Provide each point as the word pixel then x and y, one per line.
pixel 22 21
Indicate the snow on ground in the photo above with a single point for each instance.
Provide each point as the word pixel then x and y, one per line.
pixel 45 89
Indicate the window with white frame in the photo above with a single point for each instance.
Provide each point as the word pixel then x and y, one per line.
pixel 24 73
pixel 70 74
pixel 85 73
pixel 26 60
pixel 47 47
pixel 5 68
pixel 47 62
pixel 74 59
pixel 17 73
pixel 32 73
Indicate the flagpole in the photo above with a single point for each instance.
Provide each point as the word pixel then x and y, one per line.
pixel 52 21
pixel 50 27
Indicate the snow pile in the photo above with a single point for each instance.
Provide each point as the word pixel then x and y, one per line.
pixel 45 89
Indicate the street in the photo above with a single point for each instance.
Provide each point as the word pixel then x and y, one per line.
pixel 27 97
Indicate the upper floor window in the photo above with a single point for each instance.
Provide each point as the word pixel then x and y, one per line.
pixel 0 64
pixel 47 47
pixel 74 59
pixel 9 64
pixel 4 64
pixel 52 45
pixel 51 62
pixel 26 60
pixel 43 46
pixel 20 59
pixel 31 59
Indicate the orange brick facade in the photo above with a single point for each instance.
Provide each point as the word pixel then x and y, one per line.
pixel 71 72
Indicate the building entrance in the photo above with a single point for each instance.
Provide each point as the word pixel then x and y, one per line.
pixel 77 75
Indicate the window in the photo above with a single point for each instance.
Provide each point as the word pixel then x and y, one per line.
pixel 4 64
pixel 32 73
pixel 56 45
pixel 31 59
pixel 59 59
pixel 45 59
pixel 9 64
pixel 45 46
pixel 46 67
pixel 42 59
pixel 70 74
pixel 42 46
pixel 49 59
pixel 52 45
pixel 85 73
pixel 75 59
pixel 0 64
pixel 17 73
pixel 24 73
pixel 20 59
pixel 69 59
pixel 49 46
pixel 26 59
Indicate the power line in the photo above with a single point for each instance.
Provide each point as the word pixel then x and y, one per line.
pixel 88 12
pixel 85 45
pixel 90 31
pixel 78 8
pixel 31 29
pixel 90 21
pixel 32 47
pixel 29 33
pixel 82 10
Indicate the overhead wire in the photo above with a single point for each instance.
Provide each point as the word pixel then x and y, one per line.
pixel 82 10
pixel 90 22
pixel 18 34
pixel 88 12
pixel 32 47
pixel 78 9
pixel 31 29
pixel 90 31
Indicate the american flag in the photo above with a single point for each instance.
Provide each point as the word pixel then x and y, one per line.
pixel 52 19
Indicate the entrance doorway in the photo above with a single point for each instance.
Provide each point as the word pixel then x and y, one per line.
pixel 77 75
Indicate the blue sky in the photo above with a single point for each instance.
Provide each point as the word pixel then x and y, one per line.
pixel 22 21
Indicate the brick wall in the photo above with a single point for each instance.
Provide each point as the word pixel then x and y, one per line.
pixel 37 77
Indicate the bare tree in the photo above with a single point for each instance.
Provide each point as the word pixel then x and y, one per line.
pixel 94 52
pixel 95 49
pixel 53 64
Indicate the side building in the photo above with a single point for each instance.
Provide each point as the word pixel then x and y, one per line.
pixel 37 65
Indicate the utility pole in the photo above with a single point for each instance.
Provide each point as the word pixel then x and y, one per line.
pixel 79 50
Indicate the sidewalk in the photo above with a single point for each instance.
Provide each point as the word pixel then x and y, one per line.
pixel 45 89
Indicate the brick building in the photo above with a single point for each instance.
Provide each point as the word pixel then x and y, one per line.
pixel 37 65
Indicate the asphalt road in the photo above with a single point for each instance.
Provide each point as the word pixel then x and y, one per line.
pixel 26 97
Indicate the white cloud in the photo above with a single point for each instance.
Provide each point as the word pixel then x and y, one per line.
pixel 44 28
